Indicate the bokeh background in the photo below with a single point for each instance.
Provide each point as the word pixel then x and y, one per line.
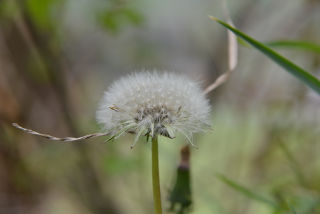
pixel 58 56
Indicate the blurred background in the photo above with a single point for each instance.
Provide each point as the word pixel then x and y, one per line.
pixel 58 56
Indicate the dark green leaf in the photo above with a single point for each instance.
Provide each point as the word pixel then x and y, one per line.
pixel 292 68
pixel 181 192
pixel 302 45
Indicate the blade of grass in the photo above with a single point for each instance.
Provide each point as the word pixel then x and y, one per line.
pixel 289 66
pixel 302 45
pixel 295 166
pixel 246 192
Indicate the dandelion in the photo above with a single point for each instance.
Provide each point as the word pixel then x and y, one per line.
pixel 153 103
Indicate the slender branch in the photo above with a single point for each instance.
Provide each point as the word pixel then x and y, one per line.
pixel 232 55
pixel 155 177
pixel 65 139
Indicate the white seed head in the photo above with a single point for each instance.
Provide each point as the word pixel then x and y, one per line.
pixel 154 104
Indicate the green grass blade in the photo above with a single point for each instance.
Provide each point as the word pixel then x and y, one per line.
pixel 292 68
pixel 301 45
pixel 246 192
pixel 294 164
pixel 293 211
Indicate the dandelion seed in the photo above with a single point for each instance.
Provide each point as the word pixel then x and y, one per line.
pixel 152 103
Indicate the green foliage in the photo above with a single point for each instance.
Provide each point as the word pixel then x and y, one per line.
pixel 41 11
pixel 115 19
pixel 181 192
pixel 291 44
pixel 289 66
pixel 300 45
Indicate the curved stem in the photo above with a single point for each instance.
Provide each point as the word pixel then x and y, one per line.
pixel 155 177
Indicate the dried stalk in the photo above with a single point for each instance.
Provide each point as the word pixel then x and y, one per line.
pixel 232 56
pixel 64 139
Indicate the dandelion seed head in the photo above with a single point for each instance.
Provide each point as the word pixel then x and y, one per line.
pixel 154 103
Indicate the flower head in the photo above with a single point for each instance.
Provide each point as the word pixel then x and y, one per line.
pixel 154 104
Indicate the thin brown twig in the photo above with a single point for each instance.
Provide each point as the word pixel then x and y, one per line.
pixel 64 139
pixel 232 56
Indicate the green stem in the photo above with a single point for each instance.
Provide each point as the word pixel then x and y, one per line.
pixel 155 177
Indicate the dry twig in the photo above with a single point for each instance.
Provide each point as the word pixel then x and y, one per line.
pixel 64 139
pixel 232 56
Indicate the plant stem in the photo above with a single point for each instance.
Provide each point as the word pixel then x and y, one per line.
pixel 155 177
